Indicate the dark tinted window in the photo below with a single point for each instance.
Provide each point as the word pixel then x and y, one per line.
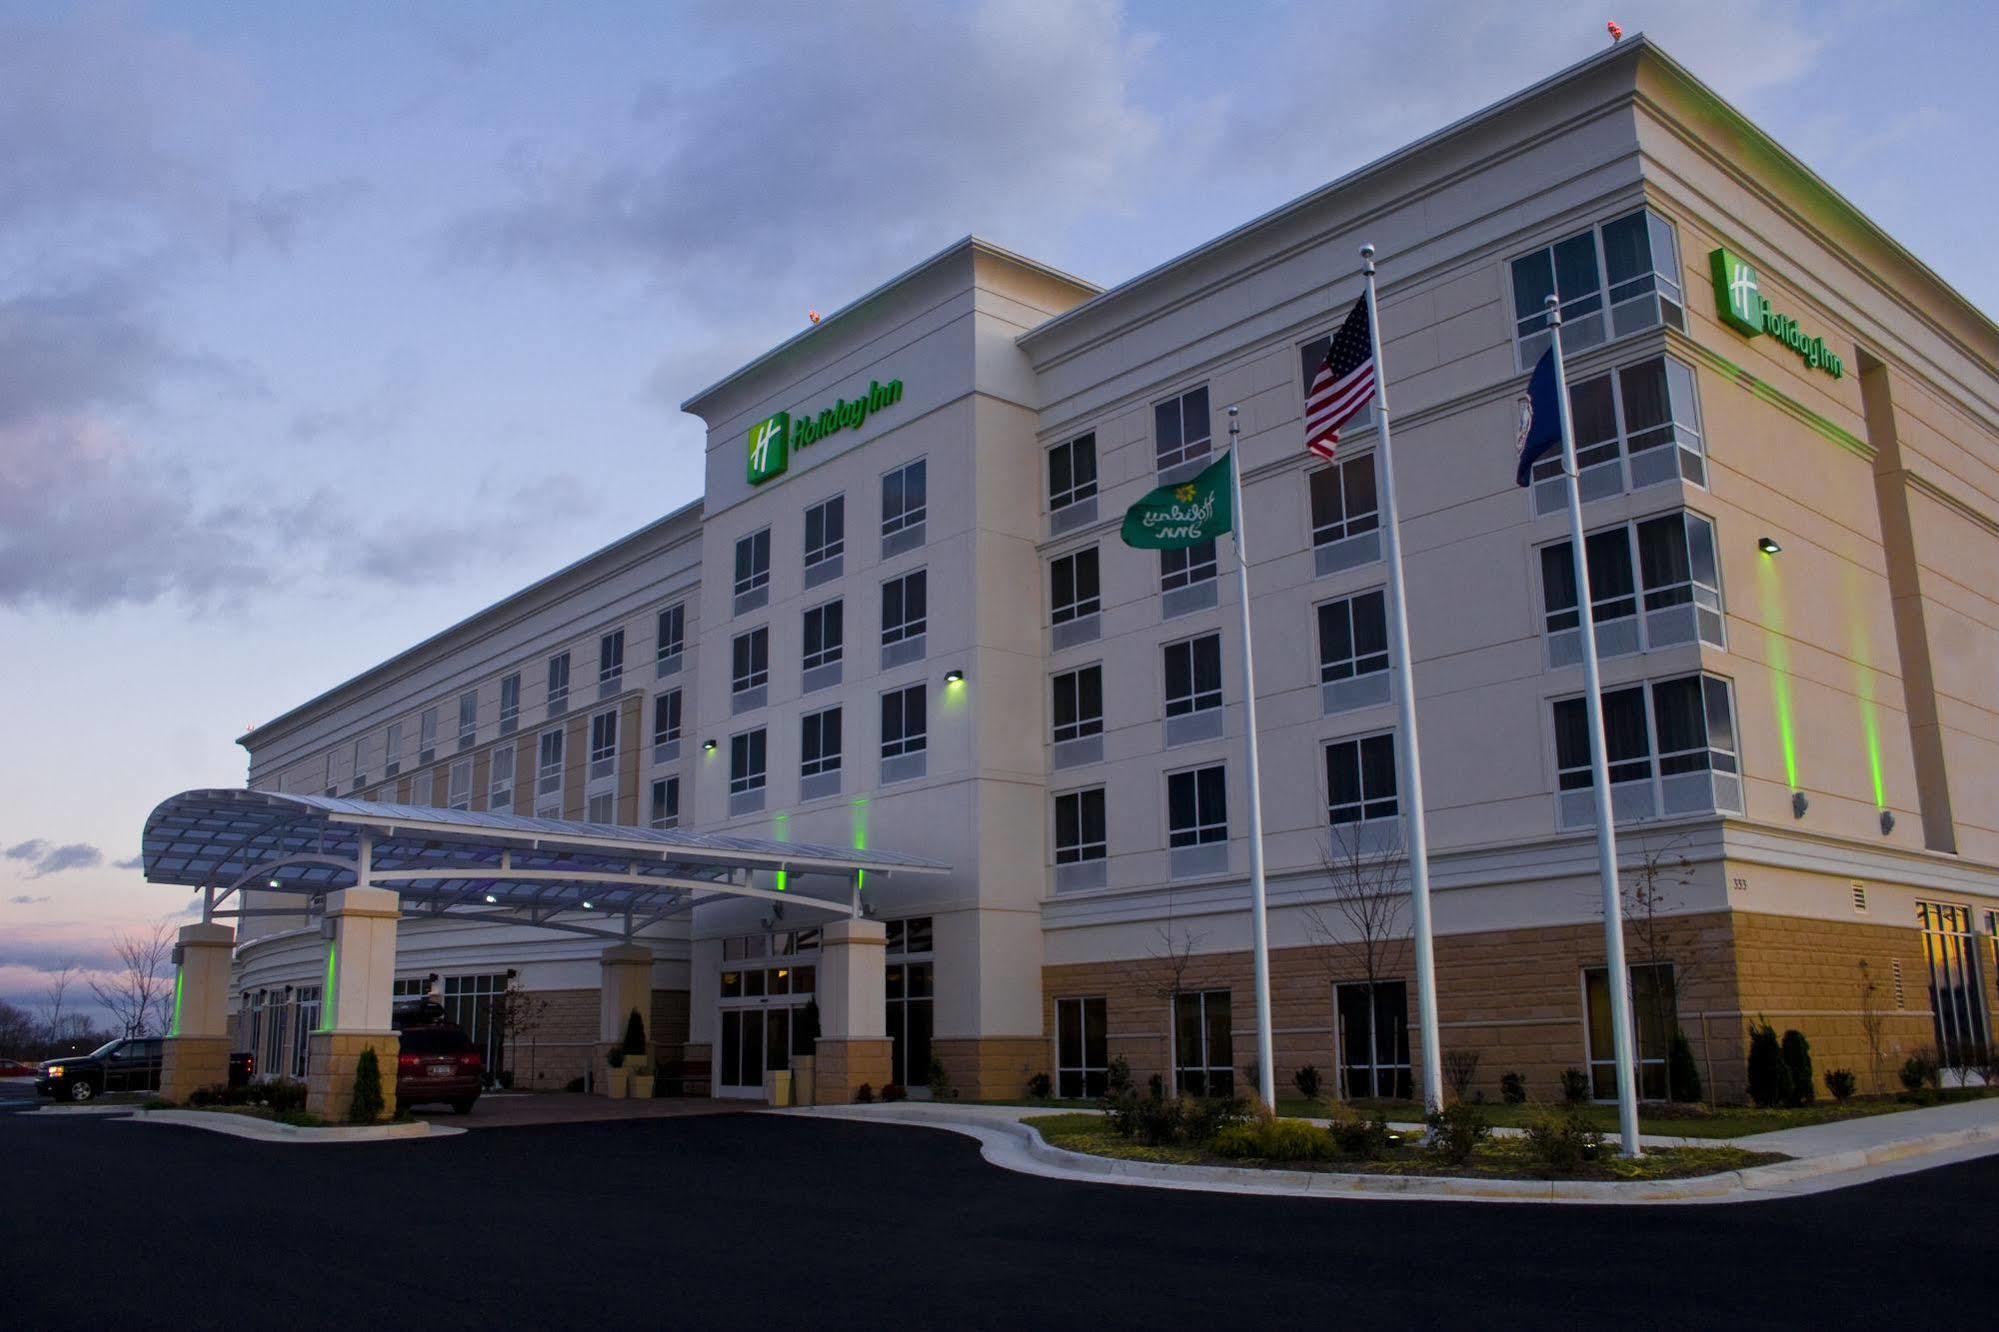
pixel 435 1040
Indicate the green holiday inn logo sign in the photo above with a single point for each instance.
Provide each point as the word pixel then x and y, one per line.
pixel 1738 296
pixel 773 438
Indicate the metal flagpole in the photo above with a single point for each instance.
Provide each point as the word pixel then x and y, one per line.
pixel 1599 768
pixel 1259 926
pixel 1410 763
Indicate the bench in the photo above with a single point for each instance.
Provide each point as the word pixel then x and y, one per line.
pixel 685 1077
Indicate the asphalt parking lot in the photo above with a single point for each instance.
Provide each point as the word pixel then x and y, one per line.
pixel 747 1218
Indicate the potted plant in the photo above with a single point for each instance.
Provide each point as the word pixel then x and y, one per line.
pixel 635 1044
pixel 617 1078
pixel 803 1067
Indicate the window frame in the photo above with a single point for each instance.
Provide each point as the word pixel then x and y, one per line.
pixel 1189 566
pixel 1075 491
pixel 815 759
pixel 745 648
pixel 906 627
pixel 669 636
pixel 1080 605
pixel 1082 725
pixel 906 742
pixel 1609 465
pixel 1207 1078
pixel 826 654
pixel 1181 452
pixel 832 513
pixel 663 802
pixel 752 562
pixel 1356 664
pixel 1082 1077
pixel 611 657
pixel 906 516
pixel 1196 699
pixel 1205 830
pixel 747 748
pixel 558 684
pixel 1081 849
pixel 1719 761
pixel 1369 804
pixel 1667 289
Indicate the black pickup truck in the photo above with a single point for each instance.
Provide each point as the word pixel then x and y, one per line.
pixel 129 1065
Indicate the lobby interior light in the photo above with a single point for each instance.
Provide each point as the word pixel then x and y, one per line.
pixel 586 905
pixel 491 898
pixel 274 883
pixel 1768 545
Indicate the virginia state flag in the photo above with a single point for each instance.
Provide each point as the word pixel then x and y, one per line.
pixel 1540 422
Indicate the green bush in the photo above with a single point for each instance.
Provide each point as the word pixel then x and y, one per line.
pixel 616 1058
pixel 1769 1075
pixel 939 1083
pixel 1306 1080
pixel 864 1094
pixel 1362 1137
pixel 1840 1082
pixel 1117 1077
pixel 1562 1139
pixel 1274 1140
pixel 284 1095
pixel 894 1091
pixel 1921 1070
pixel 635 1036
pixel 1040 1086
pixel 1575 1086
pixel 1512 1089
pixel 366 1106
pixel 1683 1075
pixel 1456 1131
pixel 1797 1053
pixel 1159 1120
pixel 1202 1117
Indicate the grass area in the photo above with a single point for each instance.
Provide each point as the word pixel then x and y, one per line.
pixel 1499 1159
pixel 1728 1121
pixel 296 1118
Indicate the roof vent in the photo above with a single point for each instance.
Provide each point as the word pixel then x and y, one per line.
pixel 1859 896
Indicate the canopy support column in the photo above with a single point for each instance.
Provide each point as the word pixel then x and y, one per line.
pixel 624 988
pixel 355 998
pixel 853 1046
pixel 195 1053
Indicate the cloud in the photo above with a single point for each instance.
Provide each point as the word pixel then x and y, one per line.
pixel 23 899
pixel 275 218
pixel 135 863
pixel 388 555
pixel 44 858
pixel 31 850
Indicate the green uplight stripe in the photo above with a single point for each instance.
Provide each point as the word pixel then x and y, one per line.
pixel 1870 712
pixel 860 837
pixel 329 996
pixel 781 821
pixel 1779 650
pixel 180 993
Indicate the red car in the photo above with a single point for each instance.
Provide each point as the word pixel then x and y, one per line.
pixel 14 1068
pixel 438 1063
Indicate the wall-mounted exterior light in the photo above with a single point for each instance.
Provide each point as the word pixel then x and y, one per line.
pixel 708 745
pixel 1799 804
pixel 1887 822
pixel 954 677
pixel 1768 545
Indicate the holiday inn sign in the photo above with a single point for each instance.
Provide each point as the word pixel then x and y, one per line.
pixel 773 438
pixel 1738 296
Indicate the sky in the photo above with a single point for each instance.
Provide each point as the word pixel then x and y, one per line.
pixel 323 326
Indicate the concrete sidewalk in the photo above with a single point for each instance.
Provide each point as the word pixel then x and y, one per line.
pixel 1825 1157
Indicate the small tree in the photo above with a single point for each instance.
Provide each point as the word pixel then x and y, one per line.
pixel 1657 887
pixel 519 1014
pixel 366 1107
pixel 1683 1076
pixel 1769 1076
pixel 1872 1022
pixel 634 1046
pixel 1365 930
pixel 1178 956
pixel 1460 1071
pixel 1797 1053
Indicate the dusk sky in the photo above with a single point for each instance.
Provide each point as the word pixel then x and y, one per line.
pixel 323 326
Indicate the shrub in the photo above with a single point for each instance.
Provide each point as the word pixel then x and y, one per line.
pixel 1512 1089
pixel 1274 1140
pixel 864 1094
pixel 1040 1087
pixel 1460 1070
pixel 1156 1085
pixel 894 1091
pixel 1797 1053
pixel 1456 1131
pixel 1562 1139
pixel 366 1106
pixel 1683 1075
pixel 1159 1121
pixel 1362 1137
pixel 1921 1070
pixel 1117 1076
pixel 1841 1083
pixel 616 1058
pixel 635 1036
pixel 1769 1075
pixel 1203 1117
pixel 1575 1086
pixel 1306 1080
pixel 284 1095
pixel 1120 1107
pixel 206 1096
pixel 940 1083
pixel 575 1084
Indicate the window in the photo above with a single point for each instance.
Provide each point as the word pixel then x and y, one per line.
pixel 1073 591
pixel 1655 1016
pixel 1193 675
pixel 500 781
pixel 905 728
pixel 558 684
pixel 360 773
pixel 602 807
pixel 548 776
pixel 611 658
pixel 1079 703
pixel 1638 253
pixel 904 508
pixel 468 718
pixel 1653 583
pixel 671 634
pixel 1636 426
pixel 460 788
pixel 1082 1055
pixel 1373 1022
pixel 1197 806
pixel 1957 1005
pixel 1072 472
pixel 665 722
pixel 1203 1044
pixel 752 563
pixel 910 985
pixel 825 531
pixel 427 736
pixel 423 788
pixel 665 808
pixel 1181 430
pixel 1187 566
pixel 1080 832
pixel 905 611
pixel 510 703
pixel 819 743
pixel 746 762
pixel 824 635
pixel 1344 504
pixel 308 1022
pixel 1311 356
pixel 1360 779
pixel 603 743
pixel 392 750
pixel 1688 723
pixel 1353 651
pixel 750 660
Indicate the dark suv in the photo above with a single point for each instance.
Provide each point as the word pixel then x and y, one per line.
pixel 129 1065
pixel 438 1063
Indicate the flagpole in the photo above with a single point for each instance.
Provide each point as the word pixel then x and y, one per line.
pixel 1259 925
pixel 1599 768
pixel 1410 765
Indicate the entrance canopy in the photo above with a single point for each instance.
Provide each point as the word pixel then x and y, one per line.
pixel 501 867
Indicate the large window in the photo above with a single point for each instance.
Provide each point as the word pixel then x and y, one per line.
pixel 392 750
pixel 1613 279
pixel 911 983
pixel 1193 675
pixel 500 780
pixel 765 980
pixel 1080 833
pixel 905 607
pixel 460 787
pixel 825 531
pixel 1654 1019
pixel 1181 429
pixel 1653 583
pixel 746 762
pixel 1203 1043
pixel 1353 652
pixel 426 730
pixel 1072 472
pixel 1187 566
pixel 665 722
pixel 671 638
pixel 603 743
pixel 905 505
pixel 1346 515
pixel 548 776
pixel 749 660
pixel 558 684
pixel 819 743
pixel 665 809
pixel 611 659
pixel 1197 806
pixel 1079 703
pixel 468 718
pixel 1360 779
pixel 510 703
pixel 1073 590
pixel 1670 747
pixel 1635 426
pixel 1957 1003
pixel 752 563
pixel 307 1008
pixel 823 637
pixel 905 730
pixel 1082 1050
pixel 1374 1039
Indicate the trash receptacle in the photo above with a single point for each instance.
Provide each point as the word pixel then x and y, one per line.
pixel 777 1087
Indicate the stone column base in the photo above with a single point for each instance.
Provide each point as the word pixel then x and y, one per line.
pixel 189 1063
pixel 991 1068
pixel 332 1058
pixel 842 1066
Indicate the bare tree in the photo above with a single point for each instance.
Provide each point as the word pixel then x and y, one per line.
pixel 519 1014
pixel 1656 888
pixel 17 1030
pixel 55 1002
pixel 136 993
pixel 1872 1023
pixel 1366 926
pixel 1176 951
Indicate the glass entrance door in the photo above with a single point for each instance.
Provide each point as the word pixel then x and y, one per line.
pixel 766 980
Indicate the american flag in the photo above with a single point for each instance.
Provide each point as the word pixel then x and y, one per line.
pixel 1343 385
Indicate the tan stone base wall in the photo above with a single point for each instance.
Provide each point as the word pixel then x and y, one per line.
pixel 189 1063
pixel 843 1066
pixel 334 1056
pixel 991 1067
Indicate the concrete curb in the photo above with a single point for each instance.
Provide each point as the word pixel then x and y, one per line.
pixel 269 1130
pixel 1013 1145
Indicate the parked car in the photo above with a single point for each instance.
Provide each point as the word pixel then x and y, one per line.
pixel 128 1065
pixel 14 1068
pixel 438 1062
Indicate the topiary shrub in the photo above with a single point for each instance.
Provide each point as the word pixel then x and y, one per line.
pixel 939 1083
pixel 634 1046
pixel 1040 1087
pixel 1361 1137
pixel 1562 1139
pixel 1921 1070
pixel 1841 1083
pixel 1769 1075
pixel 1306 1080
pixel 1456 1131
pixel 1575 1086
pixel 864 1094
pixel 366 1107
pixel 1797 1053
pixel 1512 1089
pixel 1683 1075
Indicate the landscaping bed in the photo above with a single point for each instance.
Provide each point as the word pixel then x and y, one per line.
pixel 1668 1120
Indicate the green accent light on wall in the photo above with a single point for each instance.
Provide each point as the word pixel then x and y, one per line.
pixel 1863 671
pixel 329 996
pixel 783 835
pixel 1779 655
pixel 860 837
pixel 180 993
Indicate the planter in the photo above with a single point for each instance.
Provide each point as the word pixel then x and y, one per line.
pixel 802 1071
pixel 641 1086
pixel 617 1081
pixel 777 1088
